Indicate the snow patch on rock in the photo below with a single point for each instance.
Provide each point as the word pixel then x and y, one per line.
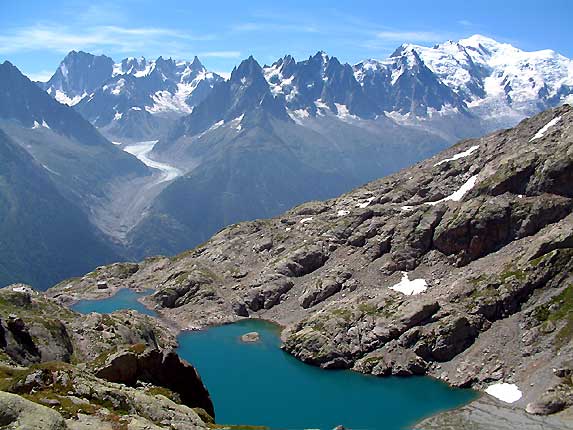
pixel 508 393
pixel 410 287
pixel 365 203
pixel 545 128
pixel 457 195
pixel 459 155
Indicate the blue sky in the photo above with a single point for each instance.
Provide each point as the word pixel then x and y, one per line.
pixel 36 34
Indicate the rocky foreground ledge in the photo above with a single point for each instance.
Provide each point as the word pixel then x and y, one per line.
pixel 459 268
pixel 62 370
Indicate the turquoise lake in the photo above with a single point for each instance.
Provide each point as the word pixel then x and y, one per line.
pixel 124 299
pixel 259 384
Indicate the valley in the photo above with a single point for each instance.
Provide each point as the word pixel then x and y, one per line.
pixel 126 202
pixel 381 239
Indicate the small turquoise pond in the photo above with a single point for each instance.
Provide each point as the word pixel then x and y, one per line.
pixel 125 298
pixel 259 384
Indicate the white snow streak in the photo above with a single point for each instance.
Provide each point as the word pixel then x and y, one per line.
pixel 544 129
pixel 457 195
pixel 459 155
pixel 365 203
pixel 66 100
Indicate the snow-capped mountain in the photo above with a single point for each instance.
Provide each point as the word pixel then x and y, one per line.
pixel 78 75
pixel 321 82
pixel 131 98
pixel 475 76
pixel 486 77
pixel 244 95
pixel 453 90
pixel 478 79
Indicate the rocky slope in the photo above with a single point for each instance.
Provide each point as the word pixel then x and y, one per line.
pixel 72 371
pixel 458 267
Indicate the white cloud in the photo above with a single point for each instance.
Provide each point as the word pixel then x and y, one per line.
pixel 410 36
pixel 465 23
pixel 62 39
pixel 274 26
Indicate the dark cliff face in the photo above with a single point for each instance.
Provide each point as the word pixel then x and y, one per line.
pixel 22 100
pixel 417 89
pixel 79 74
pixel 55 165
pixel 161 368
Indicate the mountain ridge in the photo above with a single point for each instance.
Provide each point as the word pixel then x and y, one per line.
pixel 475 75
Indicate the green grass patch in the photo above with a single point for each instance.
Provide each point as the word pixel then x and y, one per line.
pixel 369 309
pixel 345 314
pixel 562 313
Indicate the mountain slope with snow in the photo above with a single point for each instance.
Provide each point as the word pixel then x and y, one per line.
pixel 486 77
pixel 476 80
pixel 135 98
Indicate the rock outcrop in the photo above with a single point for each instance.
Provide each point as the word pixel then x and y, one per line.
pixel 161 368
pixel 67 371
pixel 18 413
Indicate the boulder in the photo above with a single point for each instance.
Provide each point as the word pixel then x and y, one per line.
pixel 302 261
pixel 546 405
pixel 263 245
pixel 240 309
pixel 391 359
pixel 16 341
pixel 161 368
pixel 267 295
pixel 17 413
pixel 251 337
pixel 322 289
pixel 180 287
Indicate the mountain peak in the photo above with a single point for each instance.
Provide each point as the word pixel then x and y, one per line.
pixel 321 56
pixel 486 44
pixel 196 63
pixel 248 68
pixel 8 65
